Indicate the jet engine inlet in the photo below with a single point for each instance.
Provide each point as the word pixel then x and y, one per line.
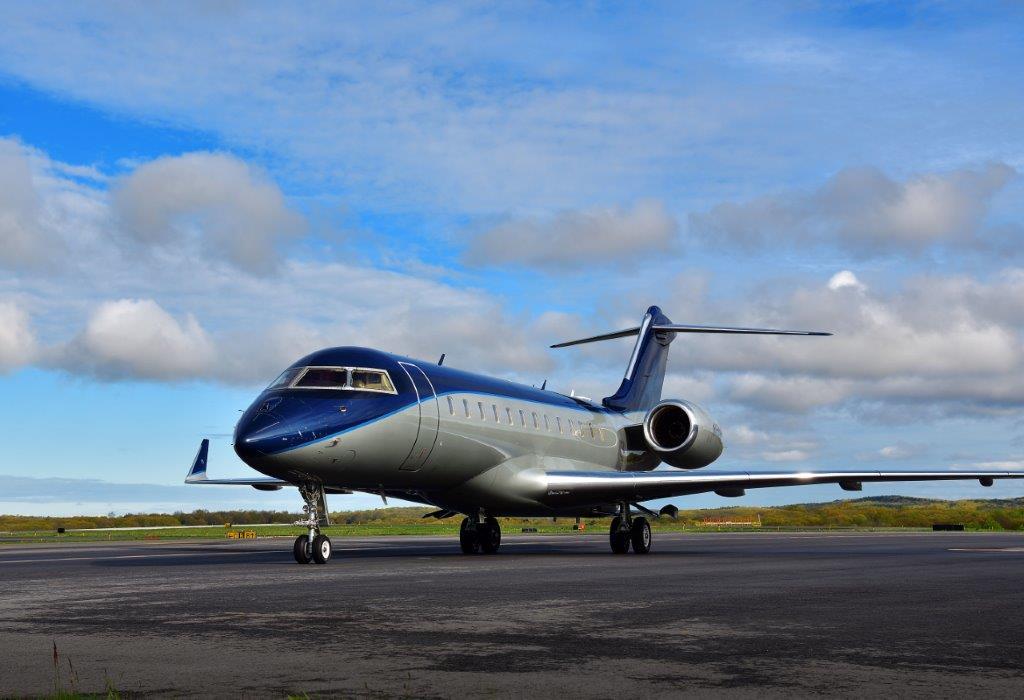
pixel 682 434
pixel 671 427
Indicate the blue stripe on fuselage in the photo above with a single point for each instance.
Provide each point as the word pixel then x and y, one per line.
pixel 446 381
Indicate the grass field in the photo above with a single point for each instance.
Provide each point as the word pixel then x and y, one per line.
pixel 869 514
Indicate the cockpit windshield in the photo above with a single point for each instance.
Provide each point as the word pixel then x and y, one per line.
pixel 323 378
pixel 345 378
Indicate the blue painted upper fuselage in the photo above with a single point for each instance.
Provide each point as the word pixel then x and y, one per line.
pixel 284 419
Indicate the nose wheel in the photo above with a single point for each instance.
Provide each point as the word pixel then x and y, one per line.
pixel 313 546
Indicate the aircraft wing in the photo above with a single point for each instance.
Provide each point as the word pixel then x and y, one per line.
pixel 197 474
pixel 602 487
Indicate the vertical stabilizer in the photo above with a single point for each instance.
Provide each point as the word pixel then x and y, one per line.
pixel 645 373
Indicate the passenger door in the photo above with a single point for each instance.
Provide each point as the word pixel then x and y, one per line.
pixel 429 418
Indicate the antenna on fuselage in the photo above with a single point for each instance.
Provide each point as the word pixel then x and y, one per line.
pixel 441 361
pixel 544 385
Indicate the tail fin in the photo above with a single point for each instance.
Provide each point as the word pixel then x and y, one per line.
pixel 645 373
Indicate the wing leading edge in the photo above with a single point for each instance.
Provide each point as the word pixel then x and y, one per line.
pixel 598 487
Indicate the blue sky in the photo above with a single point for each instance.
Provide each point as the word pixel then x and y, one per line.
pixel 193 196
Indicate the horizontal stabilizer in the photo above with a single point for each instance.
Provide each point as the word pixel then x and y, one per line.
pixel 197 474
pixel 682 328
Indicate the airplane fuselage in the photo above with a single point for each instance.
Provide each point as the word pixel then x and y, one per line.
pixel 439 435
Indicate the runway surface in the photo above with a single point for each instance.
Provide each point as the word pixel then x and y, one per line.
pixel 712 614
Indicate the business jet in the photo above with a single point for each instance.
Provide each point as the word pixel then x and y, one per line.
pixel 352 419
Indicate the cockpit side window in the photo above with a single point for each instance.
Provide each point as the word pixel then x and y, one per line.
pixel 371 380
pixel 285 379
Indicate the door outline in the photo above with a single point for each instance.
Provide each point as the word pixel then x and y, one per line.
pixel 421 451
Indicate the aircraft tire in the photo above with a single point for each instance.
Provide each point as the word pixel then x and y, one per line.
pixel 469 540
pixel 619 540
pixel 321 549
pixel 640 536
pixel 300 550
pixel 490 536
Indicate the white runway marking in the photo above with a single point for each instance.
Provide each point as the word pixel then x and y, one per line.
pixel 987 549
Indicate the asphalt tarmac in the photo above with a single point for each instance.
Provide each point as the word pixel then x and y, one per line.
pixel 758 614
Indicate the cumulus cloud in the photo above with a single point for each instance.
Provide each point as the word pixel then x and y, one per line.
pixel 17 340
pixel 601 235
pixel 138 339
pixel 950 341
pixel 230 208
pixel 785 456
pixel 23 238
pixel 900 450
pixel 864 211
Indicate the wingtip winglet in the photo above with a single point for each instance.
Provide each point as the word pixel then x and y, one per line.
pixel 198 470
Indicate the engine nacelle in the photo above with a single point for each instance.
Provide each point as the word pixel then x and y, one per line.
pixel 682 434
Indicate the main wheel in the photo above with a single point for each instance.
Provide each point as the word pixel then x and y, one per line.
pixel 468 537
pixel 619 539
pixel 321 549
pixel 640 536
pixel 301 549
pixel 490 535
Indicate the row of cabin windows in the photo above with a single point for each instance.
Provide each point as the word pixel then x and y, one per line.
pixel 577 428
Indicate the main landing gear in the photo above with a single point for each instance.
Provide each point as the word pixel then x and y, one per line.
pixel 627 530
pixel 313 546
pixel 476 536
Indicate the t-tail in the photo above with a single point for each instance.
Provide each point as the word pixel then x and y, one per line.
pixel 645 374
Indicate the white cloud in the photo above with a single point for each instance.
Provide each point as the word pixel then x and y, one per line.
pixel 23 238
pixel 603 235
pixel 233 210
pixel 744 435
pixel 786 456
pixel 17 340
pixel 899 451
pixel 864 211
pixel 794 394
pixel 845 279
pixel 137 338
pixel 1001 464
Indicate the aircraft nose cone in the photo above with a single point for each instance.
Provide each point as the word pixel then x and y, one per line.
pixel 256 432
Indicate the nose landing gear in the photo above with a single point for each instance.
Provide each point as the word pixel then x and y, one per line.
pixel 313 546
pixel 476 536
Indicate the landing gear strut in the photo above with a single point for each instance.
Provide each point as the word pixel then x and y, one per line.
pixel 627 530
pixel 476 536
pixel 313 546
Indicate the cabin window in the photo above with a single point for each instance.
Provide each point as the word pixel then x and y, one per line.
pixel 465 407
pixel 558 422
pixel 535 424
pixel 572 427
pixel 371 380
pixel 547 427
pixel 508 414
pixel 285 379
pixel 480 407
pixel 522 418
pixel 494 406
pixel 323 378
pixel 591 426
pixel 451 406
